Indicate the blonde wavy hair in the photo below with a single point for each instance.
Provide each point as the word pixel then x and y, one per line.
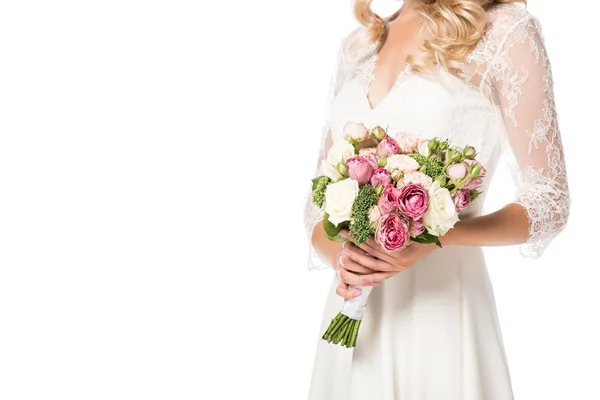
pixel 455 25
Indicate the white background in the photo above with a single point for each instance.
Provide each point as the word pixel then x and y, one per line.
pixel 151 242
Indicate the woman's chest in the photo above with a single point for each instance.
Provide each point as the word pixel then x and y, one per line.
pixel 443 107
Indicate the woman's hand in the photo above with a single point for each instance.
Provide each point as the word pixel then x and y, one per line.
pixel 369 263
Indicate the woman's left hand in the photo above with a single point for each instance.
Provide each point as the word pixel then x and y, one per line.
pixel 385 263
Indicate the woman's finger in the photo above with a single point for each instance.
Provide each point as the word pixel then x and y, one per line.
pixel 358 255
pixel 355 267
pixel 351 278
pixel 377 277
pixel 343 291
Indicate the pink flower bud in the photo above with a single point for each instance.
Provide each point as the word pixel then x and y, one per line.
pixel 462 199
pixel 388 201
pixel 359 169
pixel 356 131
pixel 387 147
pixel 457 171
pixel 381 177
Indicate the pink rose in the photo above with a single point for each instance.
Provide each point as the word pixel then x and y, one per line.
pixel 387 147
pixel 359 169
pixel 370 153
pixel 413 200
pixel 408 144
pixel 388 201
pixel 462 199
pixel 381 176
pixel 356 131
pixel 392 232
pixel 416 227
pixel 415 177
pixel 457 171
pixel 374 216
pixel 473 184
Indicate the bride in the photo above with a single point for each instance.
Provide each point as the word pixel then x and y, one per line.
pixel 475 72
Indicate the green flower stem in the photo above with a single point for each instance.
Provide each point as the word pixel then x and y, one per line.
pixel 335 327
pixel 338 337
pixel 355 333
pixel 460 184
pixel 331 325
pixel 348 335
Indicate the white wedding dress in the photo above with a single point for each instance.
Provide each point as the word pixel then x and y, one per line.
pixel 431 333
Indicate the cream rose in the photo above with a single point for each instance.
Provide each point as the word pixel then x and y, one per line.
pixel 441 214
pixel 402 162
pixel 415 177
pixel 339 198
pixel 340 152
pixel 329 171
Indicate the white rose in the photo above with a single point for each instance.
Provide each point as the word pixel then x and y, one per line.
pixel 340 152
pixel 329 171
pixel 423 148
pixel 339 198
pixel 441 214
pixel 402 162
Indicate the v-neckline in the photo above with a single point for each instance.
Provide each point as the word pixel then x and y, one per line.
pixel 373 64
pixel 377 45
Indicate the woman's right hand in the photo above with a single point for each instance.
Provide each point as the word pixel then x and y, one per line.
pixel 349 273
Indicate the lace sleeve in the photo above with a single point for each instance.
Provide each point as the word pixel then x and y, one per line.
pixel 313 214
pixel 522 79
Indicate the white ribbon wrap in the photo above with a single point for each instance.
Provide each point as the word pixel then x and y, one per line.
pixel 355 308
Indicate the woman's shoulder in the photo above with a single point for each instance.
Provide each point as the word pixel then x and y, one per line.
pixel 505 18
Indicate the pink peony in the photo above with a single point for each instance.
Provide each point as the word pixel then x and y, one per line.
pixel 415 177
pixel 387 147
pixel 416 227
pixel 413 200
pixel 356 131
pixel 381 176
pixel 370 153
pixel 473 184
pixel 462 199
pixel 359 169
pixel 392 232
pixel 388 201
pixel 408 144
pixel 457 171
pixel 374 216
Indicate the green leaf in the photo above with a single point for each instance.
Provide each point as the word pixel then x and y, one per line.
pixel 331 230
pixel 474 195
pixel 427 238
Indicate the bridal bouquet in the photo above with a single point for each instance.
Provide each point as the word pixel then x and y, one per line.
pixel 396 188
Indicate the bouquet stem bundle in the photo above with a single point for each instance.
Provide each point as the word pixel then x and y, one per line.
pixel 343 330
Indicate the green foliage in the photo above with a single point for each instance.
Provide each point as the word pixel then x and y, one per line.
pixel 319 187
pixel 435 166
pixel 420 158
pixel 361 227
pixel 427 238
pixel 474 195
pixel 332 232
